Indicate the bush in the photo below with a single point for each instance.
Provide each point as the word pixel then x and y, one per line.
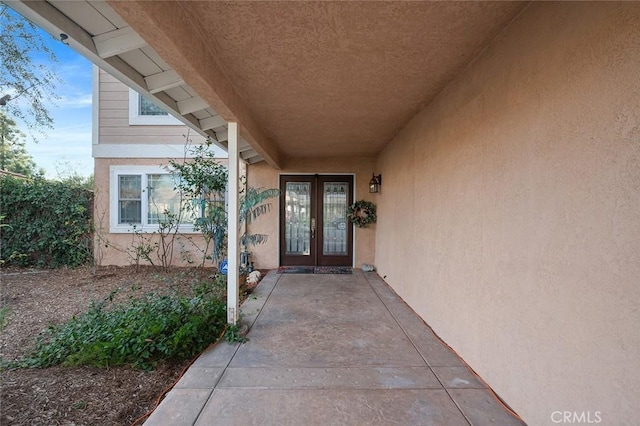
pixel 138 333
pixel 48 223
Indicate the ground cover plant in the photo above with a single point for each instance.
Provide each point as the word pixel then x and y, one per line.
pixel 35 302
pixel 139 332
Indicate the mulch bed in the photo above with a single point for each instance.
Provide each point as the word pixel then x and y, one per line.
pixel 77 395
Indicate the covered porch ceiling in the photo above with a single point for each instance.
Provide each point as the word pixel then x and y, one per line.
pixel 303 79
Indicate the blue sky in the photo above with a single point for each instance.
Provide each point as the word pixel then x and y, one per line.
pixel 67 148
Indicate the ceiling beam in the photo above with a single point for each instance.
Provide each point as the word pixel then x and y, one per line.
pixel 212 122
pixel 173 33
pixel 222 136
pixel 190 105
pixel 117 41
pixel 249 152
pixel 163 81
pixel 55 23
pixel 252 158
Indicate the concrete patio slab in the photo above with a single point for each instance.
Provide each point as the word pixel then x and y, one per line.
pixel 180 407
pixel 326 320
pixel 333 378
pixel 458 377
pixel 330 350
pixel 482 408
pixel 331 407
pixel 200 378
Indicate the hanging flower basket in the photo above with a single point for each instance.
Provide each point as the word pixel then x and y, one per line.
pixel 362 213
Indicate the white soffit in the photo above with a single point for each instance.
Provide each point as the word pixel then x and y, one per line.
pixel 103 37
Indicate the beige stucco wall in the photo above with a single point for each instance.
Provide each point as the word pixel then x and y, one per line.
pixel 259 175
pixel 116 248
pixel 510 217
pixel 116 131
pixel 264 176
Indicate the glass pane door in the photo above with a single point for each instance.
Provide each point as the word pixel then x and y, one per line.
pixel 297 235
pixel 297 220
pixel 335 232
pixel 334 213
pixel 314 230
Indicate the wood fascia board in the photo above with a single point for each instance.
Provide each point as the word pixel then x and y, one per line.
pixel 117 41
pixel 55 22
pixel 169 29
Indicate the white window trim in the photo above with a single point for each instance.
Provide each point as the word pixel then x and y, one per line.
pixel 122 228
pixel 135 119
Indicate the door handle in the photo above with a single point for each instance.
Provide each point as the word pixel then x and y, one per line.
pixel 313 227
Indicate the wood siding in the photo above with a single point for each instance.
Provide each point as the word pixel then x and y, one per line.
pixel 114 127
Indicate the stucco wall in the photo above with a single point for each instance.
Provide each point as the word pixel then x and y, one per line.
pixel 118 248
pixel 510 217
pixel 152 146
pixel 262 175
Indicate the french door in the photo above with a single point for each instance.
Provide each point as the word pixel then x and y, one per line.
pixel 314 229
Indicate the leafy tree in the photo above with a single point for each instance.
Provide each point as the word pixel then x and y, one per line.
pixel 67 174
pixel 203 181
pixel 13 154
pixel 28 71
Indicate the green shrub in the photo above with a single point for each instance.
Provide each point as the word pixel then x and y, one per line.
pixel 48 223
pixel 137 333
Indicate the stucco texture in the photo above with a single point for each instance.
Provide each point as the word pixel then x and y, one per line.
pixel 510 217
pixel 262 175
pixel 119 248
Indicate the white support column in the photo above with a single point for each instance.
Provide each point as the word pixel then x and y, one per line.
pixel 233 243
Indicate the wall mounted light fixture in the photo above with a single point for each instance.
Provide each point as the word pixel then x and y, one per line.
pixel 375 183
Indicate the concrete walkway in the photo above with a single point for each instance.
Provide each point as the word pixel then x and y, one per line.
pixel 330 350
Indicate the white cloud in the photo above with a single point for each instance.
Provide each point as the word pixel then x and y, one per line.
pixel 78 100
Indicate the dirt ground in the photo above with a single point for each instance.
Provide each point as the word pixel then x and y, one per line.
pixel 76 395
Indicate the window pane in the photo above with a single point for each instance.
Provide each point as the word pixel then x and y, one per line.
pixel 165 201
pixel 129 212
pixel 130 187
pixel 129 199
pixel 297 232
pixel 146 107
pixel 335 218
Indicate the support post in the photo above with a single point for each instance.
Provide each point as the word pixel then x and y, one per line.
pixel 233 243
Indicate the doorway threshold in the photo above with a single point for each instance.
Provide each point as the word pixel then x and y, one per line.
pixel 315 270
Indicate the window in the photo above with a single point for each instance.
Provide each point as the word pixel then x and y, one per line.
pixel 144 112
pixel 143 197
pixel 146 107
pixel 129 199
